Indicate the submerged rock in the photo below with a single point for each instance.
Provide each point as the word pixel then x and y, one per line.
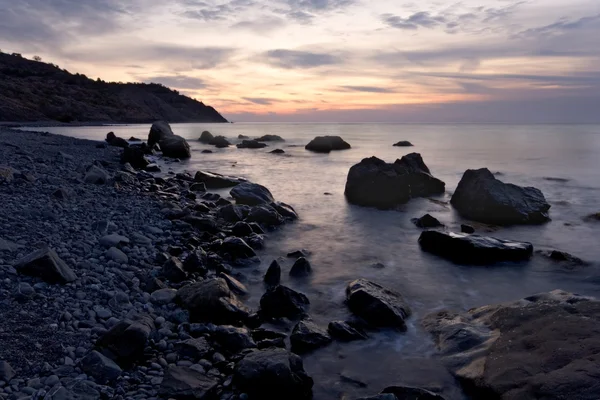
pixel 115 141
pixel 473 249
pixel 377 305
pixel 541 347
pixel 206 137
pixel 344 332
pixel 47 265
pixel 326 144
pixel 281 301
pixel 251 194
pixel 375 183
pixel 307 336
pixel 483 198
pixel 220 142
pixel 277 151
pixel 301 268
pixel 250 144
pixel 273 275
pixel 270 138
pixel 563 257
pixel 403 143
pixel 213 180
pixel 464 228
pixel 426 221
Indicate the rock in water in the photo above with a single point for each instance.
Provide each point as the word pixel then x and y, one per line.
pixel 273 374
pixel 160 130
pixel 464 228
pixel 124 343
pixel 236 248
pixel 411 393
pixel 277 151
pixel 251 194
pixel 375 183
pixel 281 301
pixel 135 156
pixel 473 249
pixel 250 144
pixel 187 383
pixel 344 332
pixel 273 275
pixel 301 268
pixel 175 147
pixel 96 175
pixel 115 141
pixel 326 144
pixel 265 215
pixel 426 221
pixel 45 264
pixel 377 305
pixel 403 143
pixel 307 336
pixel 270 138
pixel 220 142
pixel 481 197
pixel 542 347
pixel 103 369
pixel 206 137
pixel 213 180
pixel 212 300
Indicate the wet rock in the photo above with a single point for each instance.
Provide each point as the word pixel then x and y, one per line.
pixel 285 210
pixel 160 130
pixel 6 371
pixel 212 300
pixel 241 229
pixel 273 373
pixel 593 217
pixel 281 301
pixel 205 151
pixel 124 343
pixel 232 213
pixel 467 229
pixel 175 147
pixel 403 143
pixel 103 369
pixel 473 249
pixel 173 270
pixel 307 336
pixel 375 183
pixel 235 286
pixel 426 221
pixel 242 137
pixel 270 138
pixel 136 156
pixel 198 187
pixel 220 142
pixel 301 268
pixel 206 137
pixel 152 168
pixel 326 144
pixel 196 262
pixel 563 257
pixel 273 275
pixel 411 393
pixel 277 151
pixel 233 339
pixel 255 241
pixel 250 144
pixel 187 383
pixel 344 332
pixel 114 140
pixel 96 175
pixel 377 305
pixel 195 348
pixel 265 215
pixel 251 194
pixel 483 198
pixel 163 296
pixel 298 254
pixel 236 248
pixel 213 180
pixel 542 347
pixel 45 264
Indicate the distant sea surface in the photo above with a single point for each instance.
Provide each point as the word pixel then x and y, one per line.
pixel 345 240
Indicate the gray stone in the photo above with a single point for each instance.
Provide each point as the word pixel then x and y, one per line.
pixel 96 175
pixel 187 383
pixel 113 240
pixel 103 369
pixel 116 255
pixel 45 264
pixel 377 305
pixel 6 371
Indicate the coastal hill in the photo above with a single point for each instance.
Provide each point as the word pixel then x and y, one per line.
pixel 31 90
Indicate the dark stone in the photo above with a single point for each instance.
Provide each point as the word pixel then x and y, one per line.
pixel 217 181
pixel 232 339
pixel 242 229
pixel 277 151
pixel 256 241
pixel 173 270
pixel 281 301
pixel 96 175
pixel 6 372
pixel 593 217
pixel 124 343
pixel 175 251
pixel 298 254
pixel 61 194
pixel 235 248
pixel 273 374
pixel 175 147
pixel 152 168
pixel 326 144
pixel 115 141
pixel 307 336
pixel 45 264
pixel 103 369
pixel 250 144
pixel 232 213
pixel 481 197
pixel 344 332
pixel 196 262
pixel 265 215
pixel 266 334
pixel 134 139
pixel 194 348
pixel 206 137
pixel 236 286
pixel 204 223
pixel 220 142
pixel 206 151
pixel 375 183
pixel 426 221
pixel 563 258
pixel 377 305
pixel 411 393
pixel 242 137
pixel 251 194
pixel 198 187
pixel 256 228
pixel 285 210
pixel 186 384
pixel 467 229
pixel 135 156
pixel 301 268
pixel 403 143
pixel 270 138
pixel 473 249
pixel 273 275
pixel 160 130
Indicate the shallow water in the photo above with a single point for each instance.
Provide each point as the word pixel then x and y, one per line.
pixel 345 240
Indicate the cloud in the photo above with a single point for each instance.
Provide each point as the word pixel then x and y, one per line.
pixel 292 59
pixel 420 19
pixel 263 101
pixel 563 25
pixel 209 11
pixel 260 25
pixel 367 89
pixel 176 81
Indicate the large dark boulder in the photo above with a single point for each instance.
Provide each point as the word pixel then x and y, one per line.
pixel 545 346
pixel 403 143
pixel 285 210
pixel 124 343
pixel 426 221
pixel 235 248
pixel 175 147
pixel 301 268
pixel 213 180
pixel 220 142
pixel 160 130
pixel 136 156
pixel 273 374
pixel 187 383
pixel 114 140
pixel 265 215
pixel 283 302
pixel 251 144
pixel 232 339
pixel 481 197
pixel 233 212
pixel 473 249
pixel 270 138
pixel 206 137
pixel 307 336
pixel 45 264
pixel 377 305
pixel 273 275
pixel 326 144
pixel 251 194
pixel 375 183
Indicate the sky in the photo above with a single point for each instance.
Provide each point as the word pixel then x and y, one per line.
pixel 500 61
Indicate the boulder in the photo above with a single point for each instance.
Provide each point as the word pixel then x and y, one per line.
pixel 6 371
pixel 163 296
pixel 116 255
pixel 483 198
pixel 232 213
pixel 160 130
pixel 242 137
pixel 173 270
pixel 233 339
pixel 235 286
pixel 326 144
pixel 194 348
pixel 135 156
pixel 241 229
pixel 250 144
pixel 124 343
pixel 473 249
pixel 206 137
pixel 285 210
pixel 403 143
pixel 273 275
pixel 235 248
pixel 283 302
pixel 307 336
pixel 464 228
pixel 212 300
pixel 344 332
pixel 187 383
pixel 96 175
pixel 213 180
pixel 270 138
pixel 301 268
pixel 45 264
pixel 175 147
pixel 101 368
pixel 273 374
pixel 426 221
pixel 375 183
pixel 220 142
pixel 251 194
pixel 545 346
pixel 198 187
pixel 377 305
pixel 115 141
pixel 256 241
pixel 277 151
pixel 265 215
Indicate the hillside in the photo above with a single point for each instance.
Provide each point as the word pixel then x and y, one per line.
pixel 36 91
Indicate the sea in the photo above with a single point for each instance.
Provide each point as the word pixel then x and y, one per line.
pixel 346 241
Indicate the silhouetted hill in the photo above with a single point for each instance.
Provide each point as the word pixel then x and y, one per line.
pixel 36 91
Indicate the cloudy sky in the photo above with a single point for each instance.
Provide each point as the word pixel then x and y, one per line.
pixel 333 60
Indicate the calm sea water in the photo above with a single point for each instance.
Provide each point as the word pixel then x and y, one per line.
pixel 345 240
